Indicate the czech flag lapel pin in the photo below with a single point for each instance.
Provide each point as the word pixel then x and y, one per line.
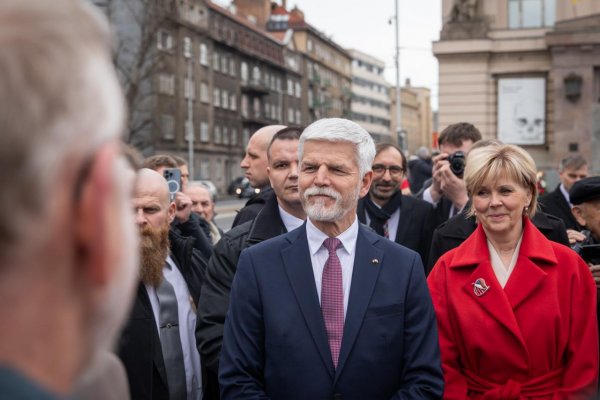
pixel 480 287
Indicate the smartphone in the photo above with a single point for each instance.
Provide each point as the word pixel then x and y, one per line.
pixel 173 177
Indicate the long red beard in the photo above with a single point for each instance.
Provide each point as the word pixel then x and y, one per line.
pixel 154 246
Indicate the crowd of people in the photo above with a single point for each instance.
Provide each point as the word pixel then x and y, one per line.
pixel 355 273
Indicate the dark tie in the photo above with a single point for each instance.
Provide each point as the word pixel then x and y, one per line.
pixel 332 299
pixel 170 340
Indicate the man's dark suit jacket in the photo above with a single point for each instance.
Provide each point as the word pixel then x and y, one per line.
pixel 458 228
pixel 275 345
pixel 415 227
pixel 554 203
pixel 139 346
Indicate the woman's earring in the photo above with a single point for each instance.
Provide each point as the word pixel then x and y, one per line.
pixel 526 210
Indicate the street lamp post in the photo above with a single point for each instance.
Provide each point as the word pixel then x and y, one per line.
pixel 400 134
pixel 190 121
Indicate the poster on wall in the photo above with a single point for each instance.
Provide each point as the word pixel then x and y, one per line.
pixel 522 110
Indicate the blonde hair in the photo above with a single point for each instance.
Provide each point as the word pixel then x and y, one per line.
pixel 489 163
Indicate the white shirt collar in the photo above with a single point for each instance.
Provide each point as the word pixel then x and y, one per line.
pixel 316 237
pixel 289 221
pixel 564 192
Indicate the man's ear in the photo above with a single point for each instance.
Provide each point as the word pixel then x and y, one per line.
pixel 171 211
pixel 365 184
pixel 579 215
pixel 94 213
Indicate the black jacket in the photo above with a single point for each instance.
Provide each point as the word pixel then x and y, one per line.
pixel 214 300
pixel 252 207
pixel 555 203
pixel 454 231
pixel 415 227
pixel 139 345
pixel 419 171
pixel 441 210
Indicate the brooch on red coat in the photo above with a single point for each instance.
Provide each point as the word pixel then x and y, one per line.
pixel 480 287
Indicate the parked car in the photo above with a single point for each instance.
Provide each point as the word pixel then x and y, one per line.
pixel 246 190
pixel 212 189
pixel 234 185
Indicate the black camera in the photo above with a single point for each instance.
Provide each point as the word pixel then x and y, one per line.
pixel 457 163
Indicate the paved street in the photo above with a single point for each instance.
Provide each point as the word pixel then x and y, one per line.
pixel 226 210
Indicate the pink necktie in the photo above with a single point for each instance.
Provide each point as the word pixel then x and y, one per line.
pixel 332 298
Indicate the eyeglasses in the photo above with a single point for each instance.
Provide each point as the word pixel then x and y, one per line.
pixel 395 170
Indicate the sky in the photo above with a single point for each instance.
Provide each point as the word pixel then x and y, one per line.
pixel 364 25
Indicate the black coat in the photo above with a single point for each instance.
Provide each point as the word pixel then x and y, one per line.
pixel 252 207
pixel 139 345
pixel 419 171
pixel 554 203
pixel 214 299
pixel 458 228
pixel 441 210
pixel 415 227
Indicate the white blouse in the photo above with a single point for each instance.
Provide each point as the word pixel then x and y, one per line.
pixel 502 273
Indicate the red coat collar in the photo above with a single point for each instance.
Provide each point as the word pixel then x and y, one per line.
pixel 533 246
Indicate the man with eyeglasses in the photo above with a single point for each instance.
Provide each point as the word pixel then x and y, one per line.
pixel 405 220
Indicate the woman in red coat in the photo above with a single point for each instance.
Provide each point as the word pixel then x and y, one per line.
pixel 516 312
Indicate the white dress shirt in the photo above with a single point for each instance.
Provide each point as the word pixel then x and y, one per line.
pixel 500 270
pixel 187 327
pixel 346 253
pixel 393 222
pixel 289 221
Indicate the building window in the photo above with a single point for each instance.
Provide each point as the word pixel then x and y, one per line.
pixel 225 135
pixel 204 136
pixel 225 99
pixel 290 115
pixel 167 126
pixel 166 84
pixel 187 47
pixel 189 89
pixel 203 55
pixel 233 103
pixel 204 92
pixel 274 112
pixel 290 87
pixel 218 138
pixel 164 40
pixel 224 65
pixel 298 90
pixel 531 13
pixel 298 117
pixel 244 106
pixel 309 45
pixel 311 100
pixel 234 138
pixel 245 137
pixel 256 106
pixel 256 75
pixel 232 67
pixel 205 169
pixel 244 72
pixel 216 61
pixel 217 97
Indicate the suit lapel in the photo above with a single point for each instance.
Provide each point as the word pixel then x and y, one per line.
pixel 157 355
pixel 364 278
pixel 494 301
pixel 298 266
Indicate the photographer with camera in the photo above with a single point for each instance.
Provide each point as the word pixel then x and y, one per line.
pixel 447 191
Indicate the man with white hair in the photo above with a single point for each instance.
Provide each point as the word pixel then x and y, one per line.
pixel 67 269
pixel 203 205
pixel 331 309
